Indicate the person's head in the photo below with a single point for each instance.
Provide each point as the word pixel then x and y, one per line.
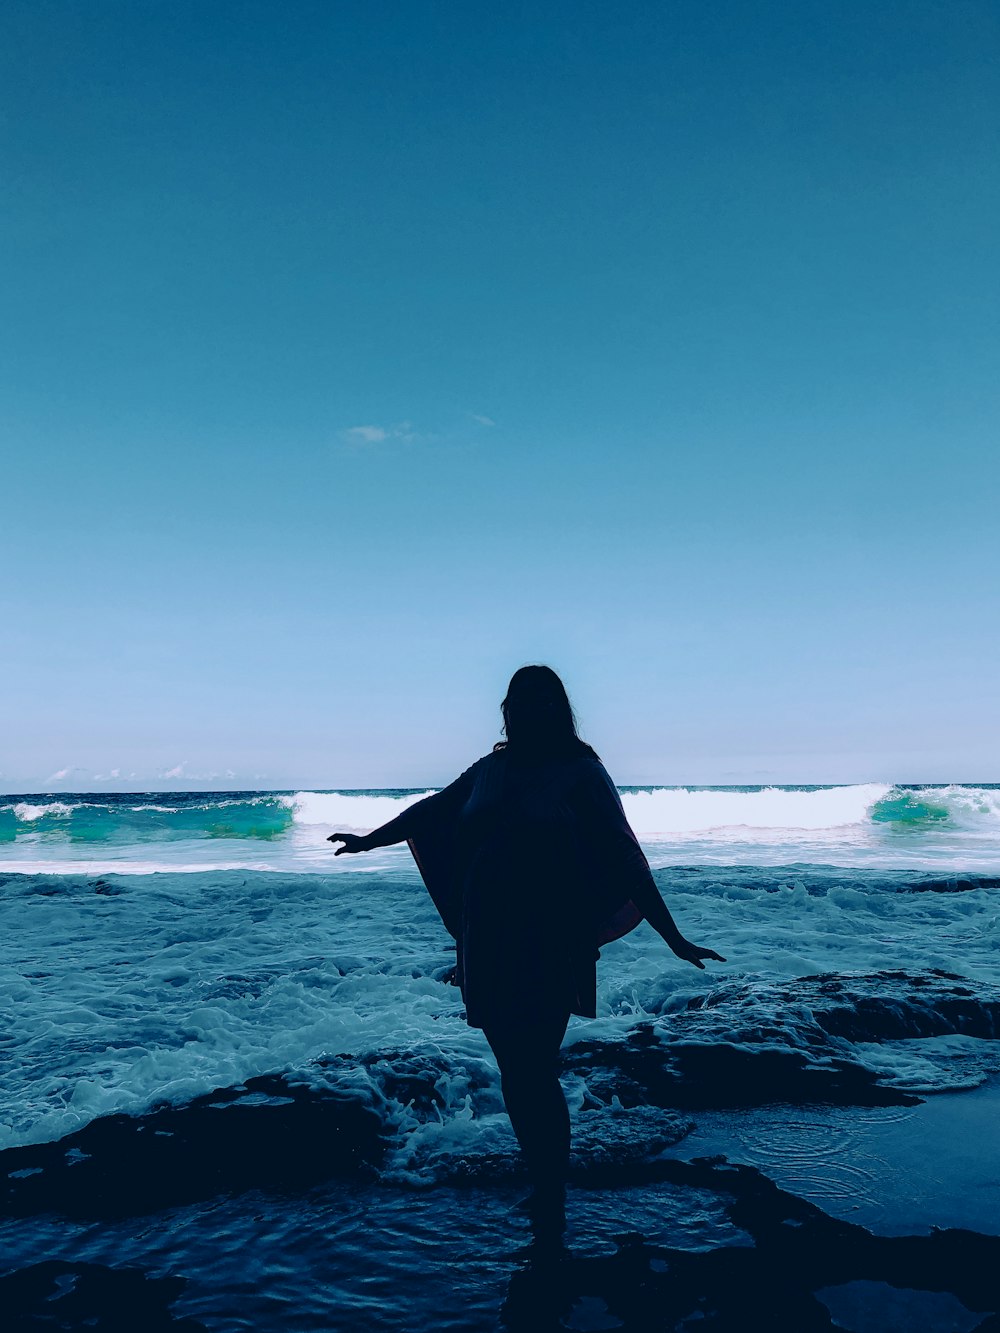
pixel 537 715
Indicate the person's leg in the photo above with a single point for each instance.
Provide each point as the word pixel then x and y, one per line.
pixel 528 1056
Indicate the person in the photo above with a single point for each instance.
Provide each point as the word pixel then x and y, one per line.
pixel 531 862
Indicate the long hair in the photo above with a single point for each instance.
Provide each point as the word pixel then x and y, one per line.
pixel 538 718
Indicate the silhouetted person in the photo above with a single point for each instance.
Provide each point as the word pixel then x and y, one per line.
pixel 532 865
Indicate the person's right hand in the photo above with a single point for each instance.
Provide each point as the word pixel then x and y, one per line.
pixel 353 842
pixel 692 954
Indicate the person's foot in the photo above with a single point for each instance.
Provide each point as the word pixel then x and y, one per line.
pixel 546 1203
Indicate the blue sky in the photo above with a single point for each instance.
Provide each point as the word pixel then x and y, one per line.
pixel 356 355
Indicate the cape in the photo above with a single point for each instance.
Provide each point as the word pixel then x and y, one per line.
pixel 433 848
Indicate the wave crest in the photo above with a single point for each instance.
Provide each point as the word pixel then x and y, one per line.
pixel 348 810
pixel 756 815
pixel 656 811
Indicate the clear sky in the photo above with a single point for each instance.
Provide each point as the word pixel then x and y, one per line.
pixel 355 354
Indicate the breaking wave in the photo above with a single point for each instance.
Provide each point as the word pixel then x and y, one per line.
pixel 653 811
pixel 670 810
pixel 160 818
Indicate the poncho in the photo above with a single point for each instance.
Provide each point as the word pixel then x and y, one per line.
pixel 531 866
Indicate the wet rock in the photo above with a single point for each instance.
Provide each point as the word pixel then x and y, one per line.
pixel 267 1135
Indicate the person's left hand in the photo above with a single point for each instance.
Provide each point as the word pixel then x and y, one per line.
pixel 353 842
pixel 692 954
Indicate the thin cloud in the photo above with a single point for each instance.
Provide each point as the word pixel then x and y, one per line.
pixel 182 771
pixel 481 420
pixel 366 434
pixel 402 430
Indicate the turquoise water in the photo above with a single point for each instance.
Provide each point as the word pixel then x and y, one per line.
pixel 873 824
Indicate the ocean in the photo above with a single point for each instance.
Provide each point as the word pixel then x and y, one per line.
pixel 238 1091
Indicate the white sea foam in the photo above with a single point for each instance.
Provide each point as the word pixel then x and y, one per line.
pixel 683 810
pixel 970 807
pixel 125 864
pixel 154 989
pixel 664 810
pixel 868 824
pixel 337 810
pixel 250 799
pixel 27 814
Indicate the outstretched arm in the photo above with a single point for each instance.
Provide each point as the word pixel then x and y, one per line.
pixel 410 820
pixel 649 900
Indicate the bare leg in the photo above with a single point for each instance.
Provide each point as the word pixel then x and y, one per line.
pixel 528 1056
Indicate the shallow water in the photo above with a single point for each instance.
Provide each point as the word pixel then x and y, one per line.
pixel 232 1063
